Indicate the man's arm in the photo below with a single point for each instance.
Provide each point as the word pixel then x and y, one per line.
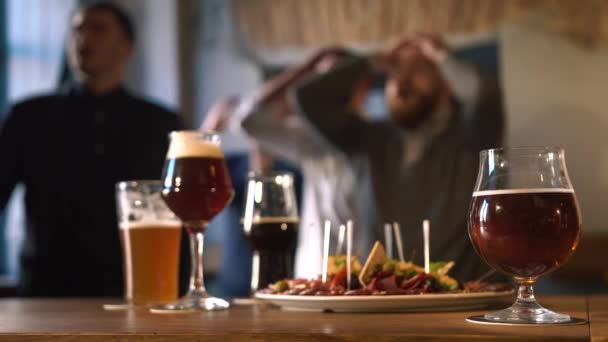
pixel 287 137
pixel 480 98
pixel 11 153
pixel 325 101
pixel 281 84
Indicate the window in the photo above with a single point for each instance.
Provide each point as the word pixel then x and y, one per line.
pixel 35 37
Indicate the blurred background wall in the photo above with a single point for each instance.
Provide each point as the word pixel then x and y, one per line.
pixel 555 91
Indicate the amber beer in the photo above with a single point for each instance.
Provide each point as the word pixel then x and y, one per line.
pixel 273 240
pixel 150 261
pixel 525 232
pixel 197 183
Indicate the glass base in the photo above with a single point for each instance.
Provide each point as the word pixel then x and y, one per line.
pixel 533 313
pixel 193 302
pixel 482 320
pixel 526 313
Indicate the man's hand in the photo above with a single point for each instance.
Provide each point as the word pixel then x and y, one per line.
pixel 217 117
pixel 414 58
pixel 320 61
pixel 415 85
pixel 412 46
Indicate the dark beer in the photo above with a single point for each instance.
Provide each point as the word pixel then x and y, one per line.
pixel 525 232
pixel 196 187
pixel 199 187
pixel 196 184
pixel 273 240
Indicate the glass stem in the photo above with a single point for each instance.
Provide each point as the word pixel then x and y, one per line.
pixel 197 284
pixel 255 272
pixel 525 290
pixel 525 302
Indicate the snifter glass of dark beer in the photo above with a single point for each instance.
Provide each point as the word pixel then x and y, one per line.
pixel 196 187
pixel 270 224
pixel 150 237
pixel 524 221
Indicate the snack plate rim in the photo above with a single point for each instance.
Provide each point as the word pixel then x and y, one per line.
pixel 412 297
pixel 386 303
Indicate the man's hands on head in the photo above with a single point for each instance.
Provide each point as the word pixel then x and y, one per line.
pixel 319 61
pixel 408 62
pixel 326 58
pixel 276 89
pixel 415 84
pixel 428 45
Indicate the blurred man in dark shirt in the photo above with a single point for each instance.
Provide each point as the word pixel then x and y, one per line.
pixel 69 149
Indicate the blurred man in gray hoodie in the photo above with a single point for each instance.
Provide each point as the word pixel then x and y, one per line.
pixel 420 163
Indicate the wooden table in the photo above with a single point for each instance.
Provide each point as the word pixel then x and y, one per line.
pixel 84 319
pixel 598 316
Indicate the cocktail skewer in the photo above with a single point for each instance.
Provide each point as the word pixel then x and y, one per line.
pixel 349 247
pixel 326 234
pixel 425 234
pixel 341 233
pixel 485 275
pixel 388 240
pixel 397 231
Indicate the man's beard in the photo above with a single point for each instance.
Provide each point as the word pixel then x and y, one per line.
pixel 418 112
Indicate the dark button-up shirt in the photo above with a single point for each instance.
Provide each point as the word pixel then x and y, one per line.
pixel 69 150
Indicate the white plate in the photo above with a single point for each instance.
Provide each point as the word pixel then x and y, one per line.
pixel 422 302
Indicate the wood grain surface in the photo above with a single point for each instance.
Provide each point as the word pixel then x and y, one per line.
pixel 84 319
pixel 598 315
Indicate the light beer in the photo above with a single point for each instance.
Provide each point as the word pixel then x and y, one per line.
pixel 150 261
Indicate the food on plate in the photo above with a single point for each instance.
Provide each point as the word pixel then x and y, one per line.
pixel 335 263
pixel 380 276
pixel 376 257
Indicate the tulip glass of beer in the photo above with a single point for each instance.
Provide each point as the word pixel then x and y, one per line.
pixel 270 224
pixel 196 187
pixel 524 221
pixel 150 237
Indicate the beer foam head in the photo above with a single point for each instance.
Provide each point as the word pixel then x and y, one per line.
pixel 151 224
pixel 192 144
pixel 520 191
pixel 281 219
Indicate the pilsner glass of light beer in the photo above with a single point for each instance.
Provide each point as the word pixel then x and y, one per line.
pixel 150 238
pixel 196 187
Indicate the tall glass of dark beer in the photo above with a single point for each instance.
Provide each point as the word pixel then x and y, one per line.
pixel 524 221
pixel 270 224
pixel 196 187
